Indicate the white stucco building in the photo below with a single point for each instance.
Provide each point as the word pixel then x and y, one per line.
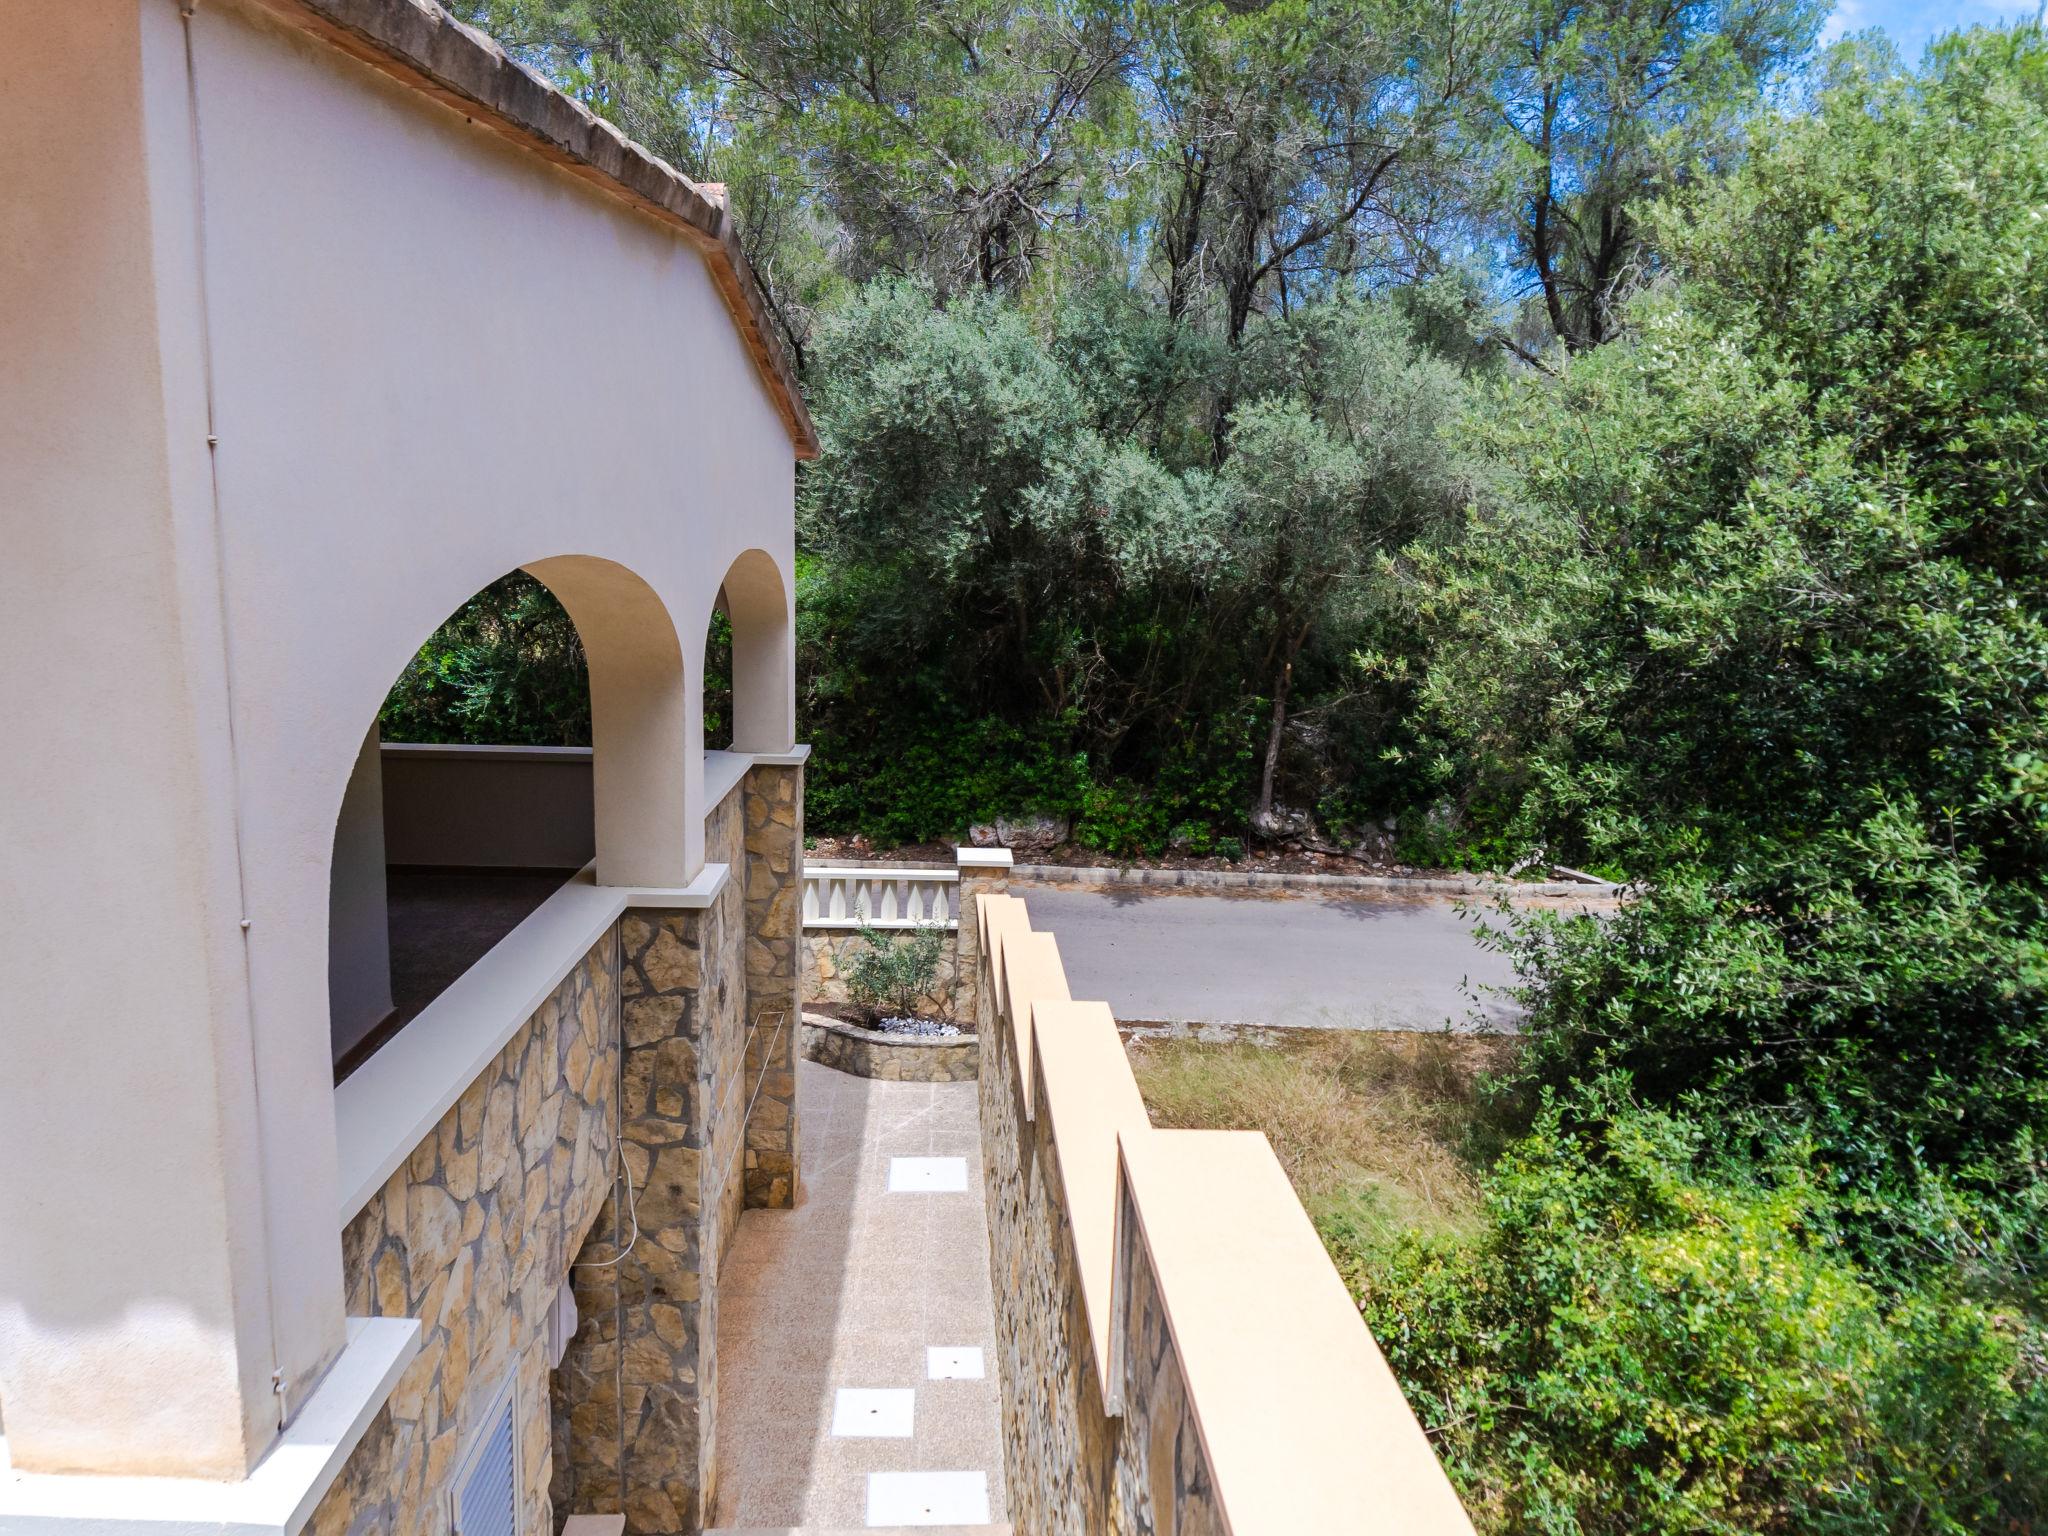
pixel 319 316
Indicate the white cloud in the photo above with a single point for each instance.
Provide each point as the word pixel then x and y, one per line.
pixel 1848 16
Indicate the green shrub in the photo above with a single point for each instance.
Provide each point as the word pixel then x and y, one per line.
pixel 1646 1341
pixel 894 972
pixel 507 667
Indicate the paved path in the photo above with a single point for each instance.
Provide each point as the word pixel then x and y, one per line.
pixel 1331 961
pixel 856 1334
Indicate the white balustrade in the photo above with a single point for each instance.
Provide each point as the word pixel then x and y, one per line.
pixel 885 896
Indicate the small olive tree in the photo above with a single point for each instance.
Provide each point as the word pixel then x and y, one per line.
pixel 893 972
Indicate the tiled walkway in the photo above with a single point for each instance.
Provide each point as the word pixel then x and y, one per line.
pixel 854 1333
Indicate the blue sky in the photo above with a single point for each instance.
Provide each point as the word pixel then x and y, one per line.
pixel 1913 24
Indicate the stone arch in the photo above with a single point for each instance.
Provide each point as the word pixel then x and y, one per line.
pixel 763 681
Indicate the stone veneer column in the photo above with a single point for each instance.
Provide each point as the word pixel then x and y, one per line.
pixel 641 1378
pixel 774 801
pixel 983 872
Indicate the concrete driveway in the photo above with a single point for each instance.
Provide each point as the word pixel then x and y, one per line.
pixel 1330 960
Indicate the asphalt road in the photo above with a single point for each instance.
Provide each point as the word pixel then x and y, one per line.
pixel 1353 961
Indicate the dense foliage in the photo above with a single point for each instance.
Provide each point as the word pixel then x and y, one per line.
pixel 506 667
pixel 1158 259
pixel 1587 432
pixel 1761 620
pixel 1766 623
pixel 1646 1340
pixel 1009 559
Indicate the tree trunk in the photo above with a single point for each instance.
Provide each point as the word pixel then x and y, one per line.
pixel 1267 774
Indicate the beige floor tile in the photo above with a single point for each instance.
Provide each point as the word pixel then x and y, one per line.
pixel 846 1291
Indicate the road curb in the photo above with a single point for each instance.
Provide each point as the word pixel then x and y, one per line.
pixel 1258 880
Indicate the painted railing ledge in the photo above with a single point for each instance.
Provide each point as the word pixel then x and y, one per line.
pixel 278 1496
pixel 396 1098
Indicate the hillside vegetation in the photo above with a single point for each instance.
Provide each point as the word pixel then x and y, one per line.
pixel 1600 433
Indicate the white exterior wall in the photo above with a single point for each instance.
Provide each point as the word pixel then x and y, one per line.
pixel 359 920
pixel 432 358
pixel 132 1247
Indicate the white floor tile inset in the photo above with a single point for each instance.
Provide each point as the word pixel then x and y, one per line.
pixel 872 1413
pixel 936 1175
pixel 927 1498
pixel 953 1363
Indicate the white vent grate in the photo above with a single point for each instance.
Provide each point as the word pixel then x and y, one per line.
pixel 487 1489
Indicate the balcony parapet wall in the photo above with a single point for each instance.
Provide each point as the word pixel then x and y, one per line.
pixel 472 1236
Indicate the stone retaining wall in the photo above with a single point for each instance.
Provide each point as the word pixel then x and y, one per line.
pixel 954 991
pixel 891 1058
pixel 473 1237
pixel 1060 1448
pixel 1131 1263
pixel 828 951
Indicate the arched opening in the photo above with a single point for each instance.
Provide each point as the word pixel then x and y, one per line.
pixel 718 677
pixel 538 729
pixel 748 650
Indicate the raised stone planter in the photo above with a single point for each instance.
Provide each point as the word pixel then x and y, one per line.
pixel 892 1058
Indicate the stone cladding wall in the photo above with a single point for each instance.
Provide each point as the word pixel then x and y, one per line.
pixel 891 1058
pixel 641 1379
pixel 654 1032
pixel 956 990
pixel 473 1237
pixel 1071 1468
pixel 1163 1486
pixel 1059 1447
pixel 828 952
pixel 774 817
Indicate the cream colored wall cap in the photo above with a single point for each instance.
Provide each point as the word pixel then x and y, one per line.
pixel 1000 916
pixel 276 1499
pixel 1304 1425
pixel 723 772
pixel 1090 1101
pixel 396 1098
pixel 983 858
pixel 1032 972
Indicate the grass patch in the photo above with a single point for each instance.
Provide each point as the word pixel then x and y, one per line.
pixel 1380 1132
